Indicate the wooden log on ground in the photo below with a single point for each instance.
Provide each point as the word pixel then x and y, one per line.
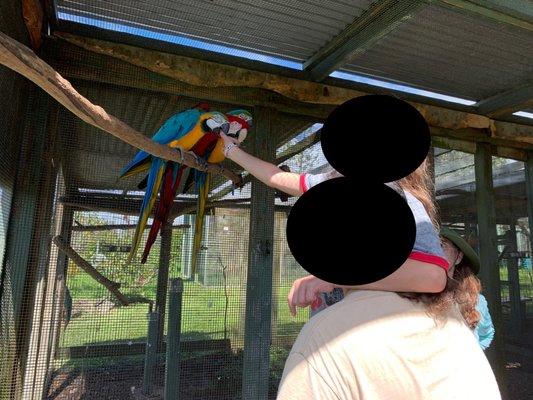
pixel 21 59
pixel 84 265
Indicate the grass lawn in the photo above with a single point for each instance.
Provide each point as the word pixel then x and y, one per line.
pixel 525 277
pixel 203 314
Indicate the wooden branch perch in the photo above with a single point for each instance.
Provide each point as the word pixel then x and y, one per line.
pixel 84 265
pixel 21 59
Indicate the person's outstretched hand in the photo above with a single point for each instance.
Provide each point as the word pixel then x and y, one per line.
pixel 305 291
pixel 229 143
pixel 228 139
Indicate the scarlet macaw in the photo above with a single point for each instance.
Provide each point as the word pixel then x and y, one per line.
pixel 240 121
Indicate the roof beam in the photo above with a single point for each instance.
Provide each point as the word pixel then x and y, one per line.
pixel 518 13
pixel 522 9
pixel 360 35
pixel 224 59
pixel 152 70
pixel 507 102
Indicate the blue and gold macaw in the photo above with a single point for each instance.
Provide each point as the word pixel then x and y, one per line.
pixel 182 130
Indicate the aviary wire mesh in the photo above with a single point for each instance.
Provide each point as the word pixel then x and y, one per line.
pixel 82 342
pixel 456 197
pixel 76 340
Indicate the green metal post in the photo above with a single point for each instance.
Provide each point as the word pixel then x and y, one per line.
pixel 162 280
pixel 489 272
pixel 151 353
pixel 529 194
pixel 260 257
pixel 514 284
pixel 172 369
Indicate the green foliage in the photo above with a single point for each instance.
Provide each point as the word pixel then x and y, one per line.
pixel 137 278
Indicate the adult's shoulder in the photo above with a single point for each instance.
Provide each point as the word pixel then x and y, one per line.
pixel 359 313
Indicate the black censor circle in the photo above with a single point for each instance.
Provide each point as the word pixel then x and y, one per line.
pixel 355 230
pixel 383 128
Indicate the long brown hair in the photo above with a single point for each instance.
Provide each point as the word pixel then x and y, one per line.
pixel 420 184
pixel 467 293
pixel 464 288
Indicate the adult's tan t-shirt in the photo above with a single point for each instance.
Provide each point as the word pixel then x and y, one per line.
pixel 377 346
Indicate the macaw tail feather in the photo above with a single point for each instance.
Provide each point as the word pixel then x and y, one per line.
pixel 200 178
pixel 154 183
pixel 203 193
pixel 138 169
pixel 141 162
pixel 171 181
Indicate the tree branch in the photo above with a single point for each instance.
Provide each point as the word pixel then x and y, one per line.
pixel 21 59
pixel 97 276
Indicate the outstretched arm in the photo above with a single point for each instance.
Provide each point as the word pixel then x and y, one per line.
pixel 270 174
pixel 412 276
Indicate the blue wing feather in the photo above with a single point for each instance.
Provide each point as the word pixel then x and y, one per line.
pixel 173 128
pixel 177 126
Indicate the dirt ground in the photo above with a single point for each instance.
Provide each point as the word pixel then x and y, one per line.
pixel 212 377
pixel 204 378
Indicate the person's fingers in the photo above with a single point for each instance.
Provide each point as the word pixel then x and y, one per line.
pixel 302 294
pixel 224 137
pixel 227 139
pixel 296 294
pixel 290 299
pixel 302 298
pixel 311 293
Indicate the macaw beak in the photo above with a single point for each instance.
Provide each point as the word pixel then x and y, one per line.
pixel 225 127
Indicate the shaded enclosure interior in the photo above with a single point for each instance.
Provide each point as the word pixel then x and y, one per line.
pixel 59 177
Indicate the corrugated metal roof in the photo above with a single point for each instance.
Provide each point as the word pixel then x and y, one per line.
pixel 451 52
pixel 293 29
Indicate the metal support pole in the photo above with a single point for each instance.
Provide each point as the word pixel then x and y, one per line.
pixel 514 283
pixel 151 353
pixel 162 280
pixel 256 360
pixel 490 272
pixel 172 370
